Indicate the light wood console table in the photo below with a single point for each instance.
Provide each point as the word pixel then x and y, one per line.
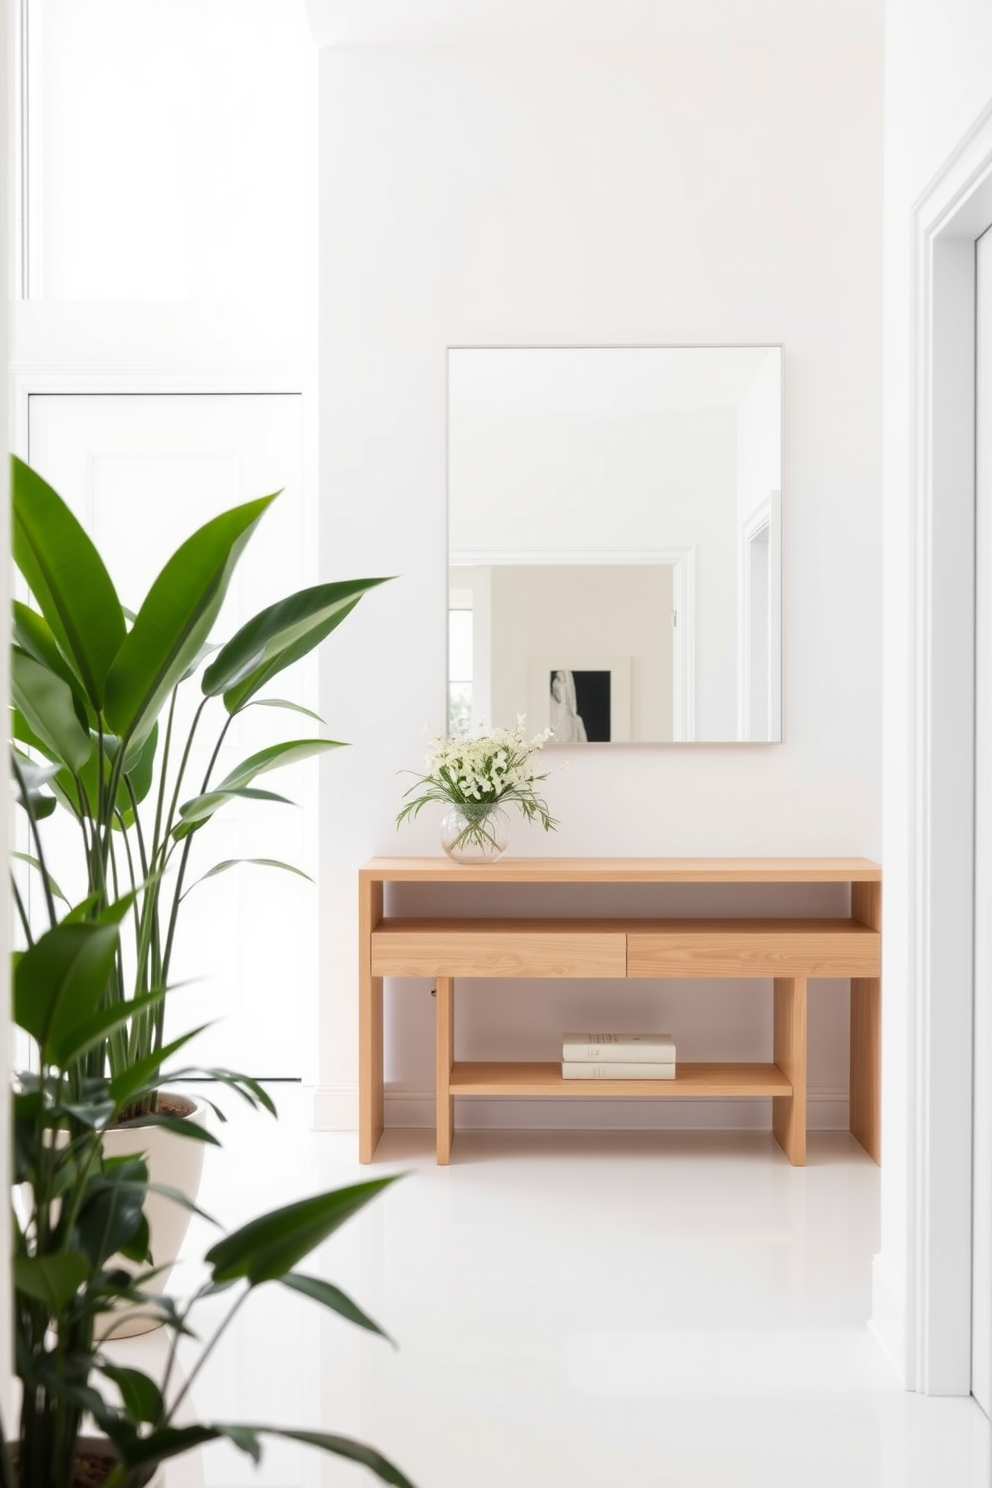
pixel 789 951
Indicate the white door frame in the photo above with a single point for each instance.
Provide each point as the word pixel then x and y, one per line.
pixel 952 213
pixel 766 518
pixel 683 565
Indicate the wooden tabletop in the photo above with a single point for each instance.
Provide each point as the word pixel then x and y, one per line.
pixel 625 870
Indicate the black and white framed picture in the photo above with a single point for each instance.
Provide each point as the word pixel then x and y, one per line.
pixel 584 700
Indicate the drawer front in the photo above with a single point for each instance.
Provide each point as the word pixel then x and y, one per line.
pixel 495 953
pixel 710 953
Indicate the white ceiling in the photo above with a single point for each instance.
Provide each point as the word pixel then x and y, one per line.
pixel 468 22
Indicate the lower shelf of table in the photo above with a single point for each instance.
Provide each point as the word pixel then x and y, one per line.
pixel 530 1078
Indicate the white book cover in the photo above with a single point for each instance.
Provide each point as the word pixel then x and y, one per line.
pixel 607 1047
pixel 582 1069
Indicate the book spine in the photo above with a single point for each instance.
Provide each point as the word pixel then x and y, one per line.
pixel 617 1070
pixel 629 1053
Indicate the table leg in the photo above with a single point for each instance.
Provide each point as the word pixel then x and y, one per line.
pixel 866 1033
pixel 789 1111
pixel 370 1105
pixel 445 1058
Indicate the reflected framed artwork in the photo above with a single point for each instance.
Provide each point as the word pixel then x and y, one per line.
pixel 582 699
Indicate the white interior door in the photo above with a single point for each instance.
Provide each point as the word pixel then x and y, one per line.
pixel 982 1208
pixel 143 472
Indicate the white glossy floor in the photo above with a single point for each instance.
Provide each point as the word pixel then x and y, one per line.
pixel 574 1311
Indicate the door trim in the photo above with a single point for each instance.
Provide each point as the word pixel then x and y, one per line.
pixel 928 1331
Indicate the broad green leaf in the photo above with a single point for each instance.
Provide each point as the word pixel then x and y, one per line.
pixel 109 914
pixel 52 1279
pixel 81 911
pixel 284 703
pixel 60 980
pixel 278 636
pixel 94 1114
pixel 110 1216
pixel 266 1249
pixel 22 731
pixel 48 705
pixel 36 863
pixel 174 1441
pixel 139 1246
pixel 67 577
pixel 140 772
pixel 141 1396
pixel 34 801
pixel 34 635
pixel 175 619
pixel 41 806
pixel 114 913
pixel 24 768
pixel 354 1451
pixel 288 753
pixel 202 808
pixel 234 863
pixel 333 1297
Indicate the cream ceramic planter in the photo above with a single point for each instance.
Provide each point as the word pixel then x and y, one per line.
pixel 175 1162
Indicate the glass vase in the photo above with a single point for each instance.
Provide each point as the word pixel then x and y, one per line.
pixel 475 834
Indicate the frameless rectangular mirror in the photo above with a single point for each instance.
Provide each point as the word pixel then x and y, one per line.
pixel 614 542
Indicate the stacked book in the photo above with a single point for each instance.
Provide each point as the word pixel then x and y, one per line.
pixel 618 1056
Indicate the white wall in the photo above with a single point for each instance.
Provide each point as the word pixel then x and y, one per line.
pixel 759 449
pixel 174 153
pixel 553 195
pixel 937 84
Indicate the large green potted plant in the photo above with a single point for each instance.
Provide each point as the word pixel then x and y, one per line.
pixel 76 1211
pixel 98 737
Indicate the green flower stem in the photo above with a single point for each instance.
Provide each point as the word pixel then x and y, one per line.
pixel 478 830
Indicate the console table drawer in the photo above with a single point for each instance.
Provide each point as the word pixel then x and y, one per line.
pixel 470 949
pixel 754 948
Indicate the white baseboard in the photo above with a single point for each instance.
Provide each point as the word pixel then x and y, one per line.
pixel 887 1323
pixel 411 1106
pixel 335 1109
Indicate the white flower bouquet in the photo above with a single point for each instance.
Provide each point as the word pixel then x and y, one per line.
pixel 494 768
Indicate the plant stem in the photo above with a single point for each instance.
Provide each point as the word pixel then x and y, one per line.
pixel 208 1350
pixel 22 912
pixel 25 800
pixel 167 952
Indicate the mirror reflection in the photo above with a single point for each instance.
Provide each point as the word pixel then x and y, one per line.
pixel 614 521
